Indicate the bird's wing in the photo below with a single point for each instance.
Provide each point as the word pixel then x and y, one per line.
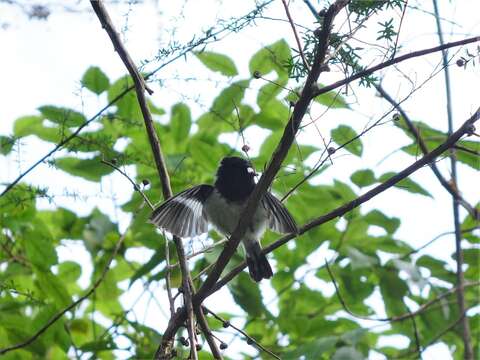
pixel 279 219
pixel 183 215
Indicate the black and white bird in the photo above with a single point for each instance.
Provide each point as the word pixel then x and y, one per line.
pixel 188 213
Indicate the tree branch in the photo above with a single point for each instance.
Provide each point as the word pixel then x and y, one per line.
pixel 423 147
pixel 342 210
pixel 391 62
pixel 140 88
pixel 467 342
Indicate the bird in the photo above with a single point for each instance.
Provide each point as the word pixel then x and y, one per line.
pixel 189 213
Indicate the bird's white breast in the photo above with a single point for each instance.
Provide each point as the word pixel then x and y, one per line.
pixel 224 215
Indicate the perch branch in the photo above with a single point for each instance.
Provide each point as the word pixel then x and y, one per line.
pixel 140 88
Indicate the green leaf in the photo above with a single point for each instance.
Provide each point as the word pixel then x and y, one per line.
pixel 274 57
pixel 95 80
pixel 230 97
pixel 348 353
pixel 273 117
pixel 53 288
pixel 376 217
pixel 154 261
pixel 343 134
pixel 38 245
pixel 217 62
pixel 406 184
pixel 393 289
pixel 69 271
pixel 62 116
pixel 126 100
pixel 412 271
pixel 363 178
pixel 312 350
pixel 332 100
pixel 269 92
pixel 33 125
pixel 6 144
pixel 247 295
pixel 89 169
pixel 98 345
pixel 180 122
pixel 359 260
pixel 204 154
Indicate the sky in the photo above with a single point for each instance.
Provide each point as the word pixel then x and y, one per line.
pixel 43 62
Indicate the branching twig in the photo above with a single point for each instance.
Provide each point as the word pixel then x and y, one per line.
pixel 297 39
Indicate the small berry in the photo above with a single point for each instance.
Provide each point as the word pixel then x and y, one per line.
pixel 198 347
pixel 223 346
pixel 145 182
pixel 226 324
pixel 183 341
pixel 331 150
pixel 245 148
pixel 249 341
pixel 396 117
pixel 256 74
pixel 114 161
pixel 460 62
pixel 291 103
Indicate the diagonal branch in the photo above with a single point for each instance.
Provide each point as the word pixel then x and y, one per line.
pixel 391 62
pixel 453 191
pixel 342 210
pixel 140 88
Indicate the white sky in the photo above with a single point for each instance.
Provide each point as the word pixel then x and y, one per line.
pixel 43 61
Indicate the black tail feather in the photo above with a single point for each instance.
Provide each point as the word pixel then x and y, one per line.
pixel 258 265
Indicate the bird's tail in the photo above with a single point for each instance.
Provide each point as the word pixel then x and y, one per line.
pixel 258 265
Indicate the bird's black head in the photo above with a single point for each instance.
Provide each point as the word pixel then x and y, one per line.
pixel 235 178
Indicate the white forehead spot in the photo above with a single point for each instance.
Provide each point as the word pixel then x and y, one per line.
pixel 250 170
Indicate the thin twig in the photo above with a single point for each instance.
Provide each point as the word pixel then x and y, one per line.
pixel 297 39
pixel 423 147
pixel 251 339
pixel 466 336
pixel 391 62
pixel 134 184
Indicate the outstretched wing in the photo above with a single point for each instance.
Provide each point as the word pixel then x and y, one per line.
pixel 279 219
pixel 183 215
